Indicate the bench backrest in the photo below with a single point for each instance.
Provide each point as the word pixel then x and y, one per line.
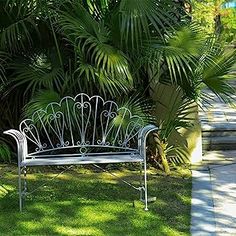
pixel 81 122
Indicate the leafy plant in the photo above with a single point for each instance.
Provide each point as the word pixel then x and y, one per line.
pixel 121 50
pixel 5 152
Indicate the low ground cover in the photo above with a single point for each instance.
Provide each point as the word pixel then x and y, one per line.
pixel 86 202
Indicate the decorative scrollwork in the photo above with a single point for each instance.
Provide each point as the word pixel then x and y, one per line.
pixel 109 114
pixel 103 143
pixel 31 132
pixel 99 142
pixel 124 143
pixel 79 143
pixel 28 128
pixel 56 115
pixel 84 105
pixel 41 147
pixel 78 105
pixel 91 120
pixel 63 144
pixel 83 150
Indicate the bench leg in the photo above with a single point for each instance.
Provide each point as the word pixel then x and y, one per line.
pixel 20 188
pixel 141 180
pixel 22 193
pixel 25 181
pixel 145 186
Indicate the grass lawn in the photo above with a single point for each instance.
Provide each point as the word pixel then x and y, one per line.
pixel 85 202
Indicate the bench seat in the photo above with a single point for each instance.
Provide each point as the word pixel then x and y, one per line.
pixel 73 160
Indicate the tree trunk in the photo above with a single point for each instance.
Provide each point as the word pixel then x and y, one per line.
pixel 161 146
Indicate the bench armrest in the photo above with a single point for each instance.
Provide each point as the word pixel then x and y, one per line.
pixel 21 143
pixel 142 138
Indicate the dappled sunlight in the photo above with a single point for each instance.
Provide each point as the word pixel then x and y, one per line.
pixel 31 177
pixel 58 176
pixel 5 189
pixel 185 199
pixel 142 221
pixel 94 203
pixel 64 230
pixel 30 225
pixel 106 213
pixel 42 207
pixel 213 200
pixel 224 185
pixel 169 231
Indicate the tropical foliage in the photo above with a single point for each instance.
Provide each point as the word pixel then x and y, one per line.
pixel 229 24
pixel 121 50
pixel 216 17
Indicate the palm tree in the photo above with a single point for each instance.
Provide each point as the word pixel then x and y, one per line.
pixel 70 46
pixel 113 48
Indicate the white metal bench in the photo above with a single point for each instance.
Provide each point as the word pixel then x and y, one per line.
pixel 81 130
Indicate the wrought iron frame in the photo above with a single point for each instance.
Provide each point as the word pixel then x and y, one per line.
pixel 58 122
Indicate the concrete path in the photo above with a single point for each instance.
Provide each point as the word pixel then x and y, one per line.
pixel 214 196
pixel 224 197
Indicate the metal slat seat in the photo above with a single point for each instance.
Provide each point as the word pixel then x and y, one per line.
pixel 80 160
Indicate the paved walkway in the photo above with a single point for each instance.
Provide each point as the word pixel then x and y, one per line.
pixel 214 195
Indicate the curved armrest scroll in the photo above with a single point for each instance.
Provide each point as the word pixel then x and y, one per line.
pixel 21 142
pixel 142 138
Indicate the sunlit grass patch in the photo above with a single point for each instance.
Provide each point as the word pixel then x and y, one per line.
pixel 86 202
pixel 5 189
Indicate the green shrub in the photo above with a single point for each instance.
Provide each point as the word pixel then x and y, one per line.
pixel 5 152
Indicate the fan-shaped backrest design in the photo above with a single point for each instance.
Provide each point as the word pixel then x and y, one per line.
pixel 81 121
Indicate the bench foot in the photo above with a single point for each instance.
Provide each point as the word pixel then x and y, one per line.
pixel 20 203
pixel 150 199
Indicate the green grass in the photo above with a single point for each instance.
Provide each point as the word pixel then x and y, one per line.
pixel 85 202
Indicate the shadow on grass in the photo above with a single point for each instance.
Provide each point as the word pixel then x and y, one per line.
pixel 95 204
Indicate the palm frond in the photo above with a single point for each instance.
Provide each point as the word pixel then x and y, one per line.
pixel 37 74
pixel 139 106
pixel 177 53
pixel 140 110
pixel 178 114
pixel 139 20
pixel 98 8
pixel 111 60
pixel 186 38
pixel 97 60
pixel 22 20
pixel 215 70
pixel 77 23
pixel 221 68
pixel 90 77
pixel 178 155
pixel 5 152
pixel 39 101
pixel 4 58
